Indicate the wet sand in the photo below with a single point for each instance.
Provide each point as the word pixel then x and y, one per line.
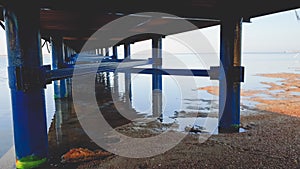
pixel 280 97
pixel 271 140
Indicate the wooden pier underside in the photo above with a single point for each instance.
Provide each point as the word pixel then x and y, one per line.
pixel 76 21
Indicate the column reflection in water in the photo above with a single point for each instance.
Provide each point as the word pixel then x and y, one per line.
pixel 116 91
pixel 157 78
pixel 62 114
pixel 128 94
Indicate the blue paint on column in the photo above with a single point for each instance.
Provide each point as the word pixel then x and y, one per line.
pixel 60 89
pixel 60 86
pixel 157 77
pixel 230 56
pixel 157 59
pixel 128 91
pixel 28 102
pixel 30 132
pixel 115 52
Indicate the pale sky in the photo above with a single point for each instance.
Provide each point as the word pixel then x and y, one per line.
pixel 272 33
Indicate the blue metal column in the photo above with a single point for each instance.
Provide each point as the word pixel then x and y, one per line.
pixel 115 52
pixel 60 86
pixel 68 54
pixel 157 77
pixel 100 51
pixel 106 51
pixel 116 77
pixel 230 56
pixel 128 93
pixel 103 51
pixel 27 93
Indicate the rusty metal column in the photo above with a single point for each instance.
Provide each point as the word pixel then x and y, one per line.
pixel 157 77
pixel 231 74
pixel 27 93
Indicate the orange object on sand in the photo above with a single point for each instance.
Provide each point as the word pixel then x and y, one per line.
pixel 83 154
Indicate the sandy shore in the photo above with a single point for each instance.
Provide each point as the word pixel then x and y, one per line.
pixel 271 140
pixel 280 97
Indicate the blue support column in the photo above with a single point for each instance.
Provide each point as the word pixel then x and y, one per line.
pixel 127 51
pixel 230 55
pixel 65 54
pixel 106 51
pixel 68 55
pixel 103 51
pixel 116 78
pixel 115 52
pixel 157 77
pixel 60 86
pixel 27 93
pixel 128 93
pixel 99 51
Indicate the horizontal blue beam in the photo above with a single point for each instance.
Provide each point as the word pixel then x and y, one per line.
pixel 68 72
pixel 90 68
pixel 178 72
pixel 128 66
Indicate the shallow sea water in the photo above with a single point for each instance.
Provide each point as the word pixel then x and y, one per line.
pixel 179 93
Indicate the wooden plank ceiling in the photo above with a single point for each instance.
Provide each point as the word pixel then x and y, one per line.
pixel 76 21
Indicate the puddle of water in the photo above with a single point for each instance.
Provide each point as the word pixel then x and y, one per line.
pixel 295 93
pixel 249 103
pixel 209 124
pixel 277 91
pixel 66 132
pixel 204 125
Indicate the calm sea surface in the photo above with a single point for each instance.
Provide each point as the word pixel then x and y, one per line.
pixel 179 93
